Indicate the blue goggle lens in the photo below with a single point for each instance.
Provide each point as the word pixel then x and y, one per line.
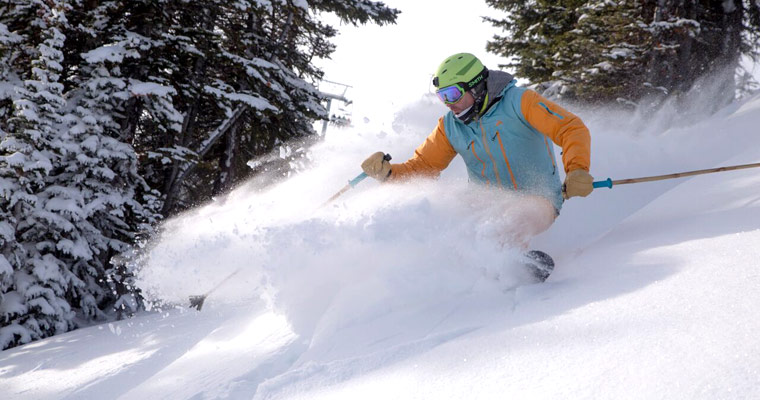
pixel 450 94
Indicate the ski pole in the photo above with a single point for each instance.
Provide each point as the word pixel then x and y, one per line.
pixel 609 183
pixel 351 184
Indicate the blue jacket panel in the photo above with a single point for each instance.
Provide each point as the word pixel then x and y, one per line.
pixel 501 148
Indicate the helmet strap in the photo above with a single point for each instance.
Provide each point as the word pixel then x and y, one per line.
pixel 481 103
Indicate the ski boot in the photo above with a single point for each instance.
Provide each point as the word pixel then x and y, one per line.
pixel 539 264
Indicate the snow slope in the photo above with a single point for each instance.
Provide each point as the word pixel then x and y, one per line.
pixel 406 291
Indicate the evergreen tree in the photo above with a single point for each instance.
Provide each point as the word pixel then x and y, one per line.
pixel 117 205
pixel 628 50
pixel 247 85
pixel 70 192
pixel 33 303
pixel 11 253
pixel 114 111
pixel 607 46
pixel 535 45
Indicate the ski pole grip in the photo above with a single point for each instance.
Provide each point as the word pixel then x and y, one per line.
pixel 601 184
pixel 362 176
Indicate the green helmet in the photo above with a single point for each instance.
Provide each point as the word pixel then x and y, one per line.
pixel 460 68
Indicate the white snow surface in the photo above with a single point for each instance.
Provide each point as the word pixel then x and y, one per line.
pixel 407 291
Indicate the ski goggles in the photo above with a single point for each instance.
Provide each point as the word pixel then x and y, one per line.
pixel 453 93
pixel 450 94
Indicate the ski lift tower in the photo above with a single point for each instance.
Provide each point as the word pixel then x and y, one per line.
pixel 336 91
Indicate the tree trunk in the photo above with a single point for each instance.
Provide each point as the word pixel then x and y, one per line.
pixel 206 146
pixel 176 175
pixel 132 110
pixel 226 176
pixel 685 67
pixel 730 47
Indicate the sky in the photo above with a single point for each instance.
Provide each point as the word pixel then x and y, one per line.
pixel 392 65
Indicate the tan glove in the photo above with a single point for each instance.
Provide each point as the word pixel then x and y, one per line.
pixel 377 166
pixel 578 182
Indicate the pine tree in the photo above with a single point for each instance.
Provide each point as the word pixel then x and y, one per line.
pixel 607 46
pixel 118 208
pixel 9 251
pixel 537 36
pixel 116 111
pixel 628 50
pixel 72 200
pixel 247 85
pixel 33 304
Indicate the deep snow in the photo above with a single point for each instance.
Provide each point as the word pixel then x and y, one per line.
pixel 405 291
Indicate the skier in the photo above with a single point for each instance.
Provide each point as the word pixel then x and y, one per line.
pixel 502 132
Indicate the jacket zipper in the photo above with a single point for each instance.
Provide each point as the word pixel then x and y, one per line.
pixel 506 160
pixel 488 152
pixel 551 157
pixel 483 171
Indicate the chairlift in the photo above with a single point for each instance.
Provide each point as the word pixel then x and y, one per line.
pixel 337 92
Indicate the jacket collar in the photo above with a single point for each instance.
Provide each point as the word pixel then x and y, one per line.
pixel 498 83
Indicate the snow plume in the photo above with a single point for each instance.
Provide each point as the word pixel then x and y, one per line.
pixel 386 254
pixel 707 95
pixel 376 249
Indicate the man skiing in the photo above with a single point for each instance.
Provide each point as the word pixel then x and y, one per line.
pixel 503 133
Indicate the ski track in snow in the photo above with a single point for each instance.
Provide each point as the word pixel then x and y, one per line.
pixel 405 291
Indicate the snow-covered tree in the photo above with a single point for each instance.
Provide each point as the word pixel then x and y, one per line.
pixel 112 112
pixel 34 298
pixel 536 35
pixel 627 50
pixel 604 52
pixel 221 82
pixel 70 193
pixel 117 206
pixel 110 108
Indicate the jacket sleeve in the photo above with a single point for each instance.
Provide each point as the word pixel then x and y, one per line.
pixel 561 126
pixel 429 159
